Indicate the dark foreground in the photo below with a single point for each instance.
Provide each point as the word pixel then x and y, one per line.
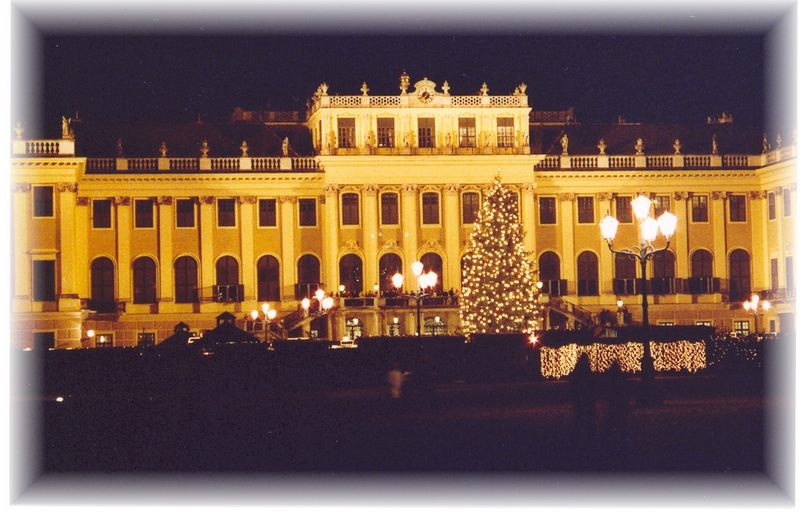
pixel 707 423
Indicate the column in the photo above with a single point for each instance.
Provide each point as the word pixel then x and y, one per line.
pixel 409 229
pixel 330 239
pixel 165 224
pixel 569 263
pixel 528 207
pixel 606 259
pixel 760 245
pixel 123 204
pixel 246 205
pixel 288 204
pixel 22 264
pixel 718 229
pixel 779 237
pixel 680 241
pixel 82 247
pixel 369 195
pixel 67 296
pixel 207 279
pixel 452 236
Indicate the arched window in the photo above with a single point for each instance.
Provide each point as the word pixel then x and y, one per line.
pixel 433 262
pixel 550 273
pixel 103 284
pixel 351 274
pixel 587 274
pixel 268 271
pixel 625 274
pixel 308 270
pixel 144 280
pixel 701 280
pixel 740 275
pixel 227 287
pixel 663 273
pixel 435 326
pixel 185 280
pixel 388 265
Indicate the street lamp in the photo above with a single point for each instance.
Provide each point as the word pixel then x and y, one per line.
pixel 648 231
pixel 753 305
pixel 424 282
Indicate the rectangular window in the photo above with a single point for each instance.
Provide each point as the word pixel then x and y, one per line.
pixel 389 214
pixel 771 204
pixel 226 213
pixel 185 213
pixel 385 132
pixel 585 209
pixel 144 213
pixel 699 209
pixel 466 132
pixel 624 211
pixel 104 340
pixel 101 213
pixel 737 208
pixel 308 212
pixel 787 202
pixel 350 209
pixel 42 201
pixel 470 205
pixel 44 280
pixel 703 323
pixel 146 339
pixel 430 208
pixel 741 327
pixel 347 132
pixel 267 212
pixel 427 132
pixel 773 274
pixel 789 273
pixel 505 132
pixel 662 205
pixel 547 210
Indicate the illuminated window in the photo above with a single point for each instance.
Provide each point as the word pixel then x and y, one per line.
pixel 104 340
pixel 146 339
pixel 662 204
pixel 505 132
pixel 466 132
pixel 741 327
pixel 385 132
pixel 347 132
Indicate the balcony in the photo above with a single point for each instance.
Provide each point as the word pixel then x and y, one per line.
pixel 703 285
pixel 555 288
pixel 223 293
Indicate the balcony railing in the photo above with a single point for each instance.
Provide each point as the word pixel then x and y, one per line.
pixel 555 287
pixel 703 285
pixel 306 290
pixel 223 293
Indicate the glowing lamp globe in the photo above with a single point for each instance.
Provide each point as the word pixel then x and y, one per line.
pixel 746 305
pixel 649 229
pixel 254 314
pixel 754 300
pixel 327 303
pixel 306 304
pixel 667 223
pixel 416 267
pixel 341 288
pixel 641 206
pixel 271 314
pixel 397 280
pixel 319 294
pixel 608 227
pixel 355 321
pixel 766 305
pixel 90 333
pixel 265 308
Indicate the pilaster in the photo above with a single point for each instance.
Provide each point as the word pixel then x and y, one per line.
pixel 82 247
pixel 165 225
pixel 568 270
pixel 410 218
pixel 22 265
pixel 718 229
pixel 206 247
pixel 680 241
pixel 288 204
pixel 67 296
pixel 123 206
pixel 452 234
pixel 330 238
pixel 246 208
pixel 369 195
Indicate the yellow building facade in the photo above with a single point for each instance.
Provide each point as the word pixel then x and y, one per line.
pixel 116 249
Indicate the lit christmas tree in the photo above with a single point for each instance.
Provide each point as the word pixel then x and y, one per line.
pixel 499 293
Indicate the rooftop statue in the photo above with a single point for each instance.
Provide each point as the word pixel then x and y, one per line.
pixel 764 143
pixel 714 148
pixel 19 130
pixel 163 149
pixel 364 88
pixel 639 146
pixel 677 146
pixel 204 149
pixel 285 146
pixel 484 89
pixel 405 81
pixel 565 144
pixel 522 88
pixel 65 129
pixel 244 148
pixel 601 146
pixel 120 150
pixel 446 88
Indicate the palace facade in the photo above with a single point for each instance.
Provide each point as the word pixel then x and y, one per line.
pixel 121 232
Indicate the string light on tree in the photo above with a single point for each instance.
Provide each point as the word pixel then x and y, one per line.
pixel 499 292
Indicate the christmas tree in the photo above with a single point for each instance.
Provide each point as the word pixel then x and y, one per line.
pixel 499 293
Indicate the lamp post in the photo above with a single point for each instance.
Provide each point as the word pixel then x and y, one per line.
pixel 645 250
pixel 424 282
pixel 324 303
pixel 753 305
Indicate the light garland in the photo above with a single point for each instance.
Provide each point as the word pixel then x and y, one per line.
pixel 499 294
pixel 557 362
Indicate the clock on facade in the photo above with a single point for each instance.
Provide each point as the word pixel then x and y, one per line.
pixel 425 95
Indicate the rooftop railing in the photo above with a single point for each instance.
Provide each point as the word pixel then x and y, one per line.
pixel 217 164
